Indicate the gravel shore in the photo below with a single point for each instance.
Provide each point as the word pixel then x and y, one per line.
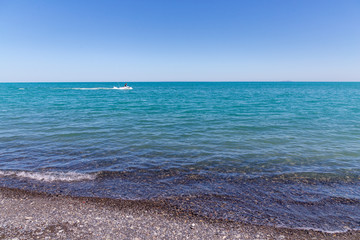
pixel 28 215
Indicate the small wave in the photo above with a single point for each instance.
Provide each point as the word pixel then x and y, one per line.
pixel 344 230
pixel 49 176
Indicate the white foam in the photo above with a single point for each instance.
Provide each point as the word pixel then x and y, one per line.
pixel 49 176
pixel 98 88
pixel 123 88
pixel 318 229
pixel 102 88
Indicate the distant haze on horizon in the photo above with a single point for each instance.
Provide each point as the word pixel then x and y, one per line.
pixel 117 41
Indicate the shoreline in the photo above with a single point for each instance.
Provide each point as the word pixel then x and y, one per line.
pixel 33 215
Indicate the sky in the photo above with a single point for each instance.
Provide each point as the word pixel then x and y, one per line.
pixel 179 40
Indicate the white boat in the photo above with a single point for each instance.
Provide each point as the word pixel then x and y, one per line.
pixel 123 88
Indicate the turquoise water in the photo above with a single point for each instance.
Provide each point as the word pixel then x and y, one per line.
pixel 283 154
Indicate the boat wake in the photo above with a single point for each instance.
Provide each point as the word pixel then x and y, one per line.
pixel 103 88
pixel 123 88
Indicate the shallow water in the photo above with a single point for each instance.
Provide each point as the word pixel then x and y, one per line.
pixel 283 154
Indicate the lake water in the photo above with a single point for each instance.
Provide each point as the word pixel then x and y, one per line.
pixel 279 154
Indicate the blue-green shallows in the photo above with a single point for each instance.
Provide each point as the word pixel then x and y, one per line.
pixel 284 154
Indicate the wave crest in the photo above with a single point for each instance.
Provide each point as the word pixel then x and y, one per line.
pixel 49 176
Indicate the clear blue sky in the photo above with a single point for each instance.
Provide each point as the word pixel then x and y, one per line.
pixel 184 40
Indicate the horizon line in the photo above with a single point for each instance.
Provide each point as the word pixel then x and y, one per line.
pixel 260 81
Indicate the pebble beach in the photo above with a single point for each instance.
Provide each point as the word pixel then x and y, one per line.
pixel 31 215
